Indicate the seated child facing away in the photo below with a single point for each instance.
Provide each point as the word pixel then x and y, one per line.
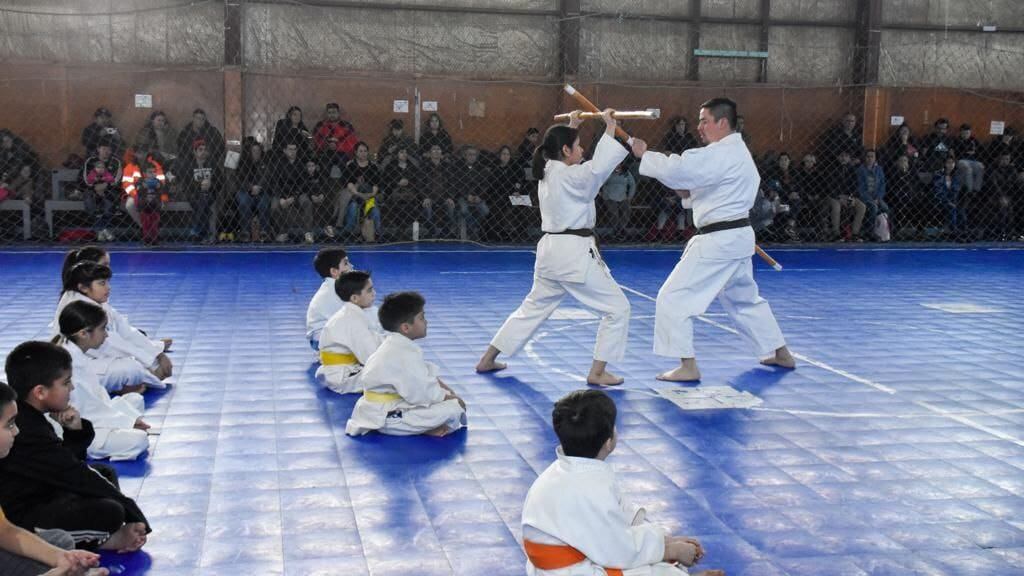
pixel 121 365
pixel 402 394
pixel 575 520
pixel 120 430
pixel 348 340
pixel 330 263
pixel 44 482
pixel 125 339
pixel 23 553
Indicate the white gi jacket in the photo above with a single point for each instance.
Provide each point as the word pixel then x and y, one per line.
pixel 398 367
pixel 325 304
pixel 566 196
pixel 123 339
pixel 347 332
pixel 94 404
pixel 723 181
pixel 577 502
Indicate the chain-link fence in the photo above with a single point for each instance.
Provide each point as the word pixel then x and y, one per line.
pixel 379 122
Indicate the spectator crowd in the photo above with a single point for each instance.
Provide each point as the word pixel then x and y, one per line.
pixel 325 183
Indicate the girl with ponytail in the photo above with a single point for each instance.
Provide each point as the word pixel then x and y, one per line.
pixel 568 260
pixel 122 360
pixel 120 430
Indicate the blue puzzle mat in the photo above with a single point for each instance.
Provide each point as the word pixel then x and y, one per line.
pixel 896 447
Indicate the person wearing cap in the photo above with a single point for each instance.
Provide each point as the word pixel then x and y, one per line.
pixel 102 126
pixel 968 160
pixel 102 195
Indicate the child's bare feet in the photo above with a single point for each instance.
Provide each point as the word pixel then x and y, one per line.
pixel 488 362
pixel 441 430
pixel 782 359
pixel 686 372
pixel 126 539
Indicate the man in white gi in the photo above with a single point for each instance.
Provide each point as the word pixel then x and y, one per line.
pixel 568 260
pixel 576 522
pixel 721 181
pixel 402 394
pixel 348 340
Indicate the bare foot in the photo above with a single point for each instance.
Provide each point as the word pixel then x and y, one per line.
pixel 684 373
pixel 782 359
pixel 441 430
pixel 482 367
pixel 604 379
pixel 124 540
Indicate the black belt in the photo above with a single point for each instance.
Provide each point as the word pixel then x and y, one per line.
pixel 727 225
pixel 583 232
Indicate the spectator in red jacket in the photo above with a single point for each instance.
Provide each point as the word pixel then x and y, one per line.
pixel 334 139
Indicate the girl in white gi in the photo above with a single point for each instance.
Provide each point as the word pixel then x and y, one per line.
pixel 722 182
pixel 125 339
pixel 348 339
pixel 120 430
pixel 568 260
pixel 118 367
pixel 576 522
pixel 402 394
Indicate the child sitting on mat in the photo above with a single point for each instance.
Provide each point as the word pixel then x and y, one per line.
pixel 402 394
pixel 348 339
pixel 576 522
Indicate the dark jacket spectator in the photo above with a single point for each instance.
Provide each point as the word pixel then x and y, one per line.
pixel 842 138
pixel 201 129
pixel 401 176
pixel 101 127
pixel 1006 143
pixel 434 133
pixel 903 193
pixel 470 177
pixel 524 154
pixel 253 167
pixel 679 138
pixel 843 177
pixel 157 138
pixel 436 177
pixel 15 153
pixel 902 143
pixel 936 146
pixel 966 146
pixel 288 173
pixel 292 130
pixel 395 140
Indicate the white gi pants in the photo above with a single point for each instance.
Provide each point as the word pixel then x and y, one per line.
pixel 116 373
pixel 598 291
pixel 398 420
pixel 340 378
pixel 120 444
pixel 695 281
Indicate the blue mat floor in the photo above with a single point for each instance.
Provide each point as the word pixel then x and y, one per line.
pixel 896 447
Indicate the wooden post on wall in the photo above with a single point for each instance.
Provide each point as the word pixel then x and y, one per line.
pixel 876 98
pixel 693 70
pixel 233 116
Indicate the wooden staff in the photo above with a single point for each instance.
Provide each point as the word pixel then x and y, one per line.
pixel 618 115
pixel 589 106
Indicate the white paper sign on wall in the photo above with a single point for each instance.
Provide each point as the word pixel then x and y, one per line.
pixel 430 106
pixel 997 127
pixel 896 120
pixel 401 107
pixel 143 100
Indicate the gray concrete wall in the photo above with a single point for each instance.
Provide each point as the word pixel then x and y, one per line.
pixel 288 36
pixel 86 32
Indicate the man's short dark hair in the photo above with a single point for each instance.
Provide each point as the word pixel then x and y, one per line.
pixel 7 394
pixel 350 283
pixel 328 258
pixel 333 105
pixel 584 420
pixel 35 363
pixel 396 124
pixel 941 121
pixel 722 108
pixel 400 308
